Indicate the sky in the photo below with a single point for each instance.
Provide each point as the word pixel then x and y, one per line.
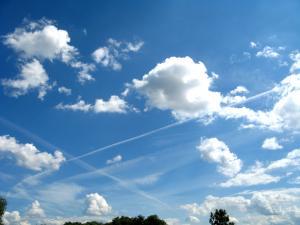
pixel 174 108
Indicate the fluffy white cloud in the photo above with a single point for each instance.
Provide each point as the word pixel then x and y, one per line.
pixel 109 56
pixel 239 90
pixel 97 205
pixel 44 41
pixel 180 85
pixel 268 52
pixel 35 210
pixel 28 156
pixel 114 105
pixel 115 159
pixel 214 150
pixel 260 174
pixel 254 176
pixel 271 144
pixel 32 77
pixel 285 114
pixel 14 218
pixel 64 90
pixel 266 207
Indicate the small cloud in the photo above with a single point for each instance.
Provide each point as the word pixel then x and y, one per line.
pixel 64 90
pixel 114 160
pixel 271 144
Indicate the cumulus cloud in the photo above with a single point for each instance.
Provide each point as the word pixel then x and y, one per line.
pixel 32 77
pixel 35 210
pixel 64 90
pixel 14 218
pixel 114 105
pixel 181 86
pixel 117 158
pixel 43 40
pixel 214 150
pixel 259 174
pixel 285 113
pixel 268 52
pixel 97 205
pixel 28 156
pixel 265 207
pixel 271 144
pixel 110 55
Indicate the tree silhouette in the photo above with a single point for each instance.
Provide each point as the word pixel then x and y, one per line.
pixel 124 220
pixel 219 217
pixel 2 209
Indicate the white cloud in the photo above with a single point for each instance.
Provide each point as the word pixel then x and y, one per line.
pixel 259 174
pixel 115 159
pixel 78 106
pixel 110 55
pixel 285 114
pixel 181 86
pixel 97 205
pixel 146 180
pixel 114 105
pixel 44 41
pixel 295 57
pixel 255 176
pixel 253 44
pixel 268 52
pixel 271 144
pixel 14 218
pixel 259 207
pixel 35 211
pixel 214 150
pixel 64 90
pixel 239 90
pixel 193 219
pixel 32 77
pixel 28 156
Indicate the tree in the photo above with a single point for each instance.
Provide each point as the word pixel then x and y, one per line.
pixel 219 217
pixel 2 208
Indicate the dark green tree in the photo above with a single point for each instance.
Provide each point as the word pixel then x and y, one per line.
pixel 2 208
pixel 219 217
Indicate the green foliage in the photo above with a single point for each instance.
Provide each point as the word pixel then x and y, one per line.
pixel 220 217
pixel 124 220
pixel 2 209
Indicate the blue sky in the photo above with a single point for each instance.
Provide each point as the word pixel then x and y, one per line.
pixel 173 108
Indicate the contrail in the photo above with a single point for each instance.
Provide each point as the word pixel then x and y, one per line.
pixel 79 162
pixel 129 140
pixel 163 128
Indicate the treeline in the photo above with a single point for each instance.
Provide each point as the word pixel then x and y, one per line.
pixel 218 217
pixel 124 220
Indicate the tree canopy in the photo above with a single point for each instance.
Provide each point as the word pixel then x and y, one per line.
pixel 2 208
pixel 124 220
pixel 220 217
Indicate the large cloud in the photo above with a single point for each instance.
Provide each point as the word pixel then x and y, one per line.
pixel 180 85
pixel 28 156
pixel 214 150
